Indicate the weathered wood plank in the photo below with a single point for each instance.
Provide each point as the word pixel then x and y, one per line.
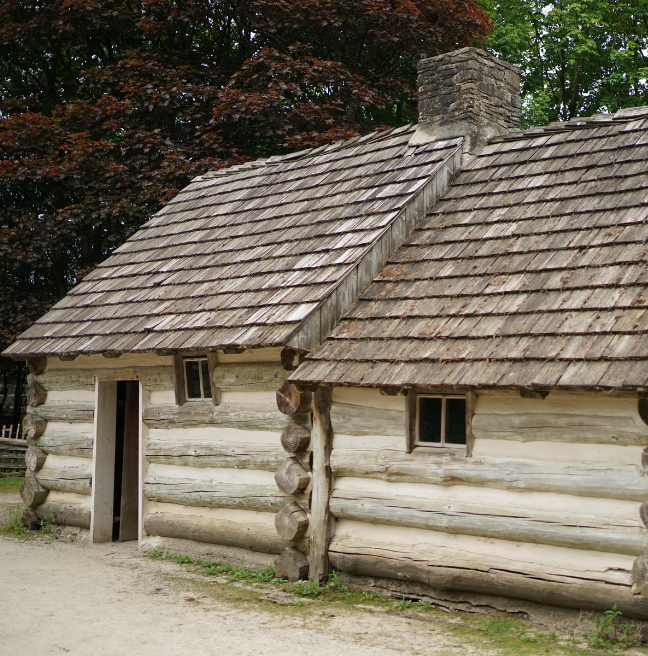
pixel 155 378
pixel 68 411
pixel 560 427
pixel 589 479
pixel 350 419
pixel 321 521
pixel 62 443
pixel 214 494
pixel 64 514
pixel 453 569
pixel 244 376
pixel 540 527
pixel 66 479
pixel 256 537
pixel 211 453
pixel 244 416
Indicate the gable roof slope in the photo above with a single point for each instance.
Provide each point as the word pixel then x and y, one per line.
pixel 247 256
pixel 530 271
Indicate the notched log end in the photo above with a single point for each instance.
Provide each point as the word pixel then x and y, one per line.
pixel 295 438
pixel 291 401
pixel 37 366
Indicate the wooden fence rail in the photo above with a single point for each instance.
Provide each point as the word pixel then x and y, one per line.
pixel 13 446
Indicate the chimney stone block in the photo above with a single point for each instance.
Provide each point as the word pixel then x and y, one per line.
pixel 467 93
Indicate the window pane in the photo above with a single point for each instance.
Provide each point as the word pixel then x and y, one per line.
pixel 193 379
pixel 429 419
pixel 206 381
pixel 456 421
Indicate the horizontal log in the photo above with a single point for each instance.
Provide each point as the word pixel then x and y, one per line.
pixel 64 514
pixel 61 443
pixel 244 416
pixel 249 376
pixel 68 411
pixel 348 419
pixel 214 494
pixel 210 453
pixel 423 465
pixel 448 568
pixel 256 537
pixel 156 378
pixel 560 427
pixel 65 479
pixel 23 443
pixel 535 526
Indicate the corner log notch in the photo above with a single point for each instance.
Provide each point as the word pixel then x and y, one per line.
pixel 291 522
pixel 292 401
pixel 321 521
pixel 36 394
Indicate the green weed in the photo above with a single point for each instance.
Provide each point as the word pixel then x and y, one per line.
pixel 500 627
pixel 401 604
pixel 48 525
pixel 14 526
pixel 155 554
pixel 610 632
pixel 308 588
pixel 334 584
pixel 424 606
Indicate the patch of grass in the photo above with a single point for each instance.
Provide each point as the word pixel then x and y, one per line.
pixel 10 483
pixel 14 527
pixel 48 526
pixel 155 554
pixel 424 606
pixel 308 588
pixel 501 627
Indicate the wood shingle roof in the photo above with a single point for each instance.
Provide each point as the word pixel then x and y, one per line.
pixel 244 256
pixel 530 271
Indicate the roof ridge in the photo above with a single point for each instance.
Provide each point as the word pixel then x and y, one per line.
pixel 625 115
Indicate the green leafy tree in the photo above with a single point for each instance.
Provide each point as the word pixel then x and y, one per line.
pixel 578 57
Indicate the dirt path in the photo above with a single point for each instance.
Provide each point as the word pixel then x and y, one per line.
pixel 108 600
pixel 111 600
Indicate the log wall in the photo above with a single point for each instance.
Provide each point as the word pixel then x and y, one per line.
pixel 208 470
pixel 546 509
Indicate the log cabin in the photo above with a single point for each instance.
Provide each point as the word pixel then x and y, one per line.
pixel 414 357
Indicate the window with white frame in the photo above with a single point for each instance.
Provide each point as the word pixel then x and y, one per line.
pixel 440 420
pixel 196 379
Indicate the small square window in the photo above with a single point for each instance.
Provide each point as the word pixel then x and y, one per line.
pixel 196 375
pixel 441 420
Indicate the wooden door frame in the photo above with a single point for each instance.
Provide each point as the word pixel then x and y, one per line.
pixel 103 458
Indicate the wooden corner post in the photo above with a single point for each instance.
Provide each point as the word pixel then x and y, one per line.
pixel 321 445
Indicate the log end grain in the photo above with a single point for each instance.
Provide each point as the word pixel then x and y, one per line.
pixel 37 366
pixel 291 401
pixel 32 492
pixel 640 575
pixel 33 426
pixel 295 438
pixel 291 522
pixel 35 458
pixel 292 478
pixel 36 394
pixel 291 565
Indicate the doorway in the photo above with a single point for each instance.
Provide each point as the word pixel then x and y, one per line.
pixel 115 482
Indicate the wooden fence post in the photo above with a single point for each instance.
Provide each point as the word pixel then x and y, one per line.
pixel 320 523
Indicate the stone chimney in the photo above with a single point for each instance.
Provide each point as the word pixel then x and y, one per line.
pixel 466 93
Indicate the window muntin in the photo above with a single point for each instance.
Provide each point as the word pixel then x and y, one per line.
pixel 196 375
pixel 440 420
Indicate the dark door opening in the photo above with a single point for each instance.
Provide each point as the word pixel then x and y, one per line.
pixel 126 488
